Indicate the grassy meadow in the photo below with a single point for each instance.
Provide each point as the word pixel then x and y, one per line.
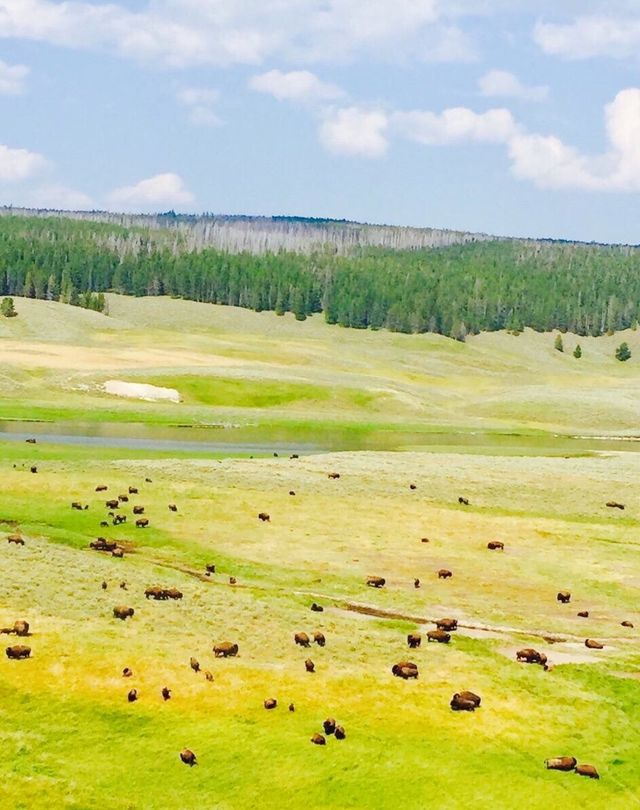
pixel 69 737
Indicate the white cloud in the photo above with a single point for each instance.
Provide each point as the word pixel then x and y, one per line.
pixel 17 165
pixel 297 85
pixel 501 83
pixel 455 125
pixel 183 33
pixel 201 104
pixel 355 131
pixel 12 79
pixel 161 190
pixel 58 197
pixel 589 36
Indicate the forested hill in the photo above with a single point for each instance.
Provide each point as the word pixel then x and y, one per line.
pixel 457 290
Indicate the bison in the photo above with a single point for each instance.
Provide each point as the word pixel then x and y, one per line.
pixel 30 441
pixel 441 636
pixel 155 592
pixel 211 568
pixel 18 651
pixel 123 498
pixel 232 580
pixel 564 597
pixel 530 656
pixel 270 703
pixel 113 503
pixel 302 639
pixel 292 492
pixel 20 628
pixel 459 703
pixel 593 645
pixel 444 573
pixel 292 708
pixel 173 507
pixel 194 664
pixel 122 612
pixel 319 638
pixel 329 726
pixel 166 693
pixel 132 695
pixel 309 665
pixel 142 523
pixel 264 517
pixel 15 539
pixel 138 510
pixel 102 488
pixel 561 763
pixel 118 553
pixel 225 650
pixel 463 501
pixel 208 675
pixel 469 696
pixel 174 593
pixel 615 505
pixel 127 672
pixel 412 486
pixel 133 490
pixel 340 733
pixel 333 476
pixel 102 544
pixel 318 739
pixel 414 640
pixel 34 470
pixel 447 624
pixel 583 614
pixel 405 670
pixel 317 608
pixel 416 583
pixel 376 582
pixel 626 623
pixel 495 545
pixel 188 757
pixel 587 770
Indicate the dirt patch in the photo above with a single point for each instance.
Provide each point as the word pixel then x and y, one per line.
pixel 149 393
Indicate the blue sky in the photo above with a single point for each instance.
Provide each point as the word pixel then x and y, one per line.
pixel 517 117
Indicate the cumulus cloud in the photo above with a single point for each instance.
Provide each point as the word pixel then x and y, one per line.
pixel 12 79
pixel 297 85
pixel 200 102
pixel 502 84
pixel 58 197
pixel 355 131
pixel 594 35
pixel 160 190
pixel 184 33
pixel 455 125
pixel 17 165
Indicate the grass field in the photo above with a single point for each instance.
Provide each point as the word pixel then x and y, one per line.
pixel 69 737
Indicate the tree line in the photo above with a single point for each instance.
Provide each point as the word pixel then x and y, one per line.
pixel 454 291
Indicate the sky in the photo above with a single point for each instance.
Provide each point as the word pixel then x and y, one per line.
pixel 510 117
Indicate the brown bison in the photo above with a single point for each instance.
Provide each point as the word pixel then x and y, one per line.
pixel 584 614
pixel 587 770
pixel 123 498
pixel 30 441
pixel 142 523
pixel 102 488
pixel 122 612
pixel 444 573
pixel 166 693
pixel 626 623
pixel 291 492
pixel 104 585
pixel 416 583
pixel 34 470
pixel 77 505
pixel 424 539
pixel 317 608
pixel 319 638
pixel 329 726
pixel 376 582
pixel 441 636
pixel 270 703
pixel 309 665
pixel 232 580
pixel 15 539
pixel 414 640
pixel 264 517
pixel 318 739
pixel 292 708
pixel 564 597
pixel 127 672
pixel 405 670
pixel 469 696
pixel 208 675
pixel 118 519
pixel 138 510
pixel 302 639
pixel 340 733
pixel 211 568
pixel 194 664
pixel 447 624
pixel 174 593
pixel 463 501
pixel 132 695
pixel 104 524
pixel 156 592
pixel 561 763
pixel 225 650
pixel 188 757
pixel 615 505
pixel 593 645
pixel 173 507
pixel 113 503
pixel 102 544
pixel 118 553
pixel 20 628
pixel 459 703
pixel 133 490
pixel 412 486
pixel 495 545
pixel 530 656
pixel 333 476
pixel 18 651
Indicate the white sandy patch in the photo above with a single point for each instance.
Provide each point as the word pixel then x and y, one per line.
pixel 151 393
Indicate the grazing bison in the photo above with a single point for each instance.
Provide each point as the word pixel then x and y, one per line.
pixel 270 703
pixel 405 670
pixel 208 675
pixel 292 708
pixel 291 492
pixel 561 763
pixel 30 441
pixel 333 476
pixel 166 693
pixel 77 505
pixel 530 656
pixel 447 624
pixel 174 593
pixel 587 770
pixel 118 552
pixel 173 507
pixel 584 614
pixel 122 612
pixel 211 568
pixel 194 664
pixel 309 665
pixel 148 481
pixel 414 640
pixel 294 455
pixel 317 608
pixel 232 580
pixel 593 645
pixel 463 501
pixel 123 498
pixel 102 488
pixel 118 519
pixel 469 696
pixel 416 583
pixel 133 490
pixel 444 573
pixel 264 517
pixel 225 650
pixel 104 524
pixel 376 582
pixel 113 503
pixel 34 470
pixel 459 703
pixel 495 545
pixel 188 757
pixel 329 726
pixel 319 638
pixel 20 628
pixel 132 696
pixel 127 672
pixel 441 636
pixel 340 733
pixel 102 544
pixel 626 623
pixel 18 651
pixel 138 510
pixel 15 539
pixel 412 486
pixel 301 639
pixel 155 592
pixel 123 585
pixel 564 597
pixel 318 739
pixel 104 585
pixel 615 505
pixel 142 523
